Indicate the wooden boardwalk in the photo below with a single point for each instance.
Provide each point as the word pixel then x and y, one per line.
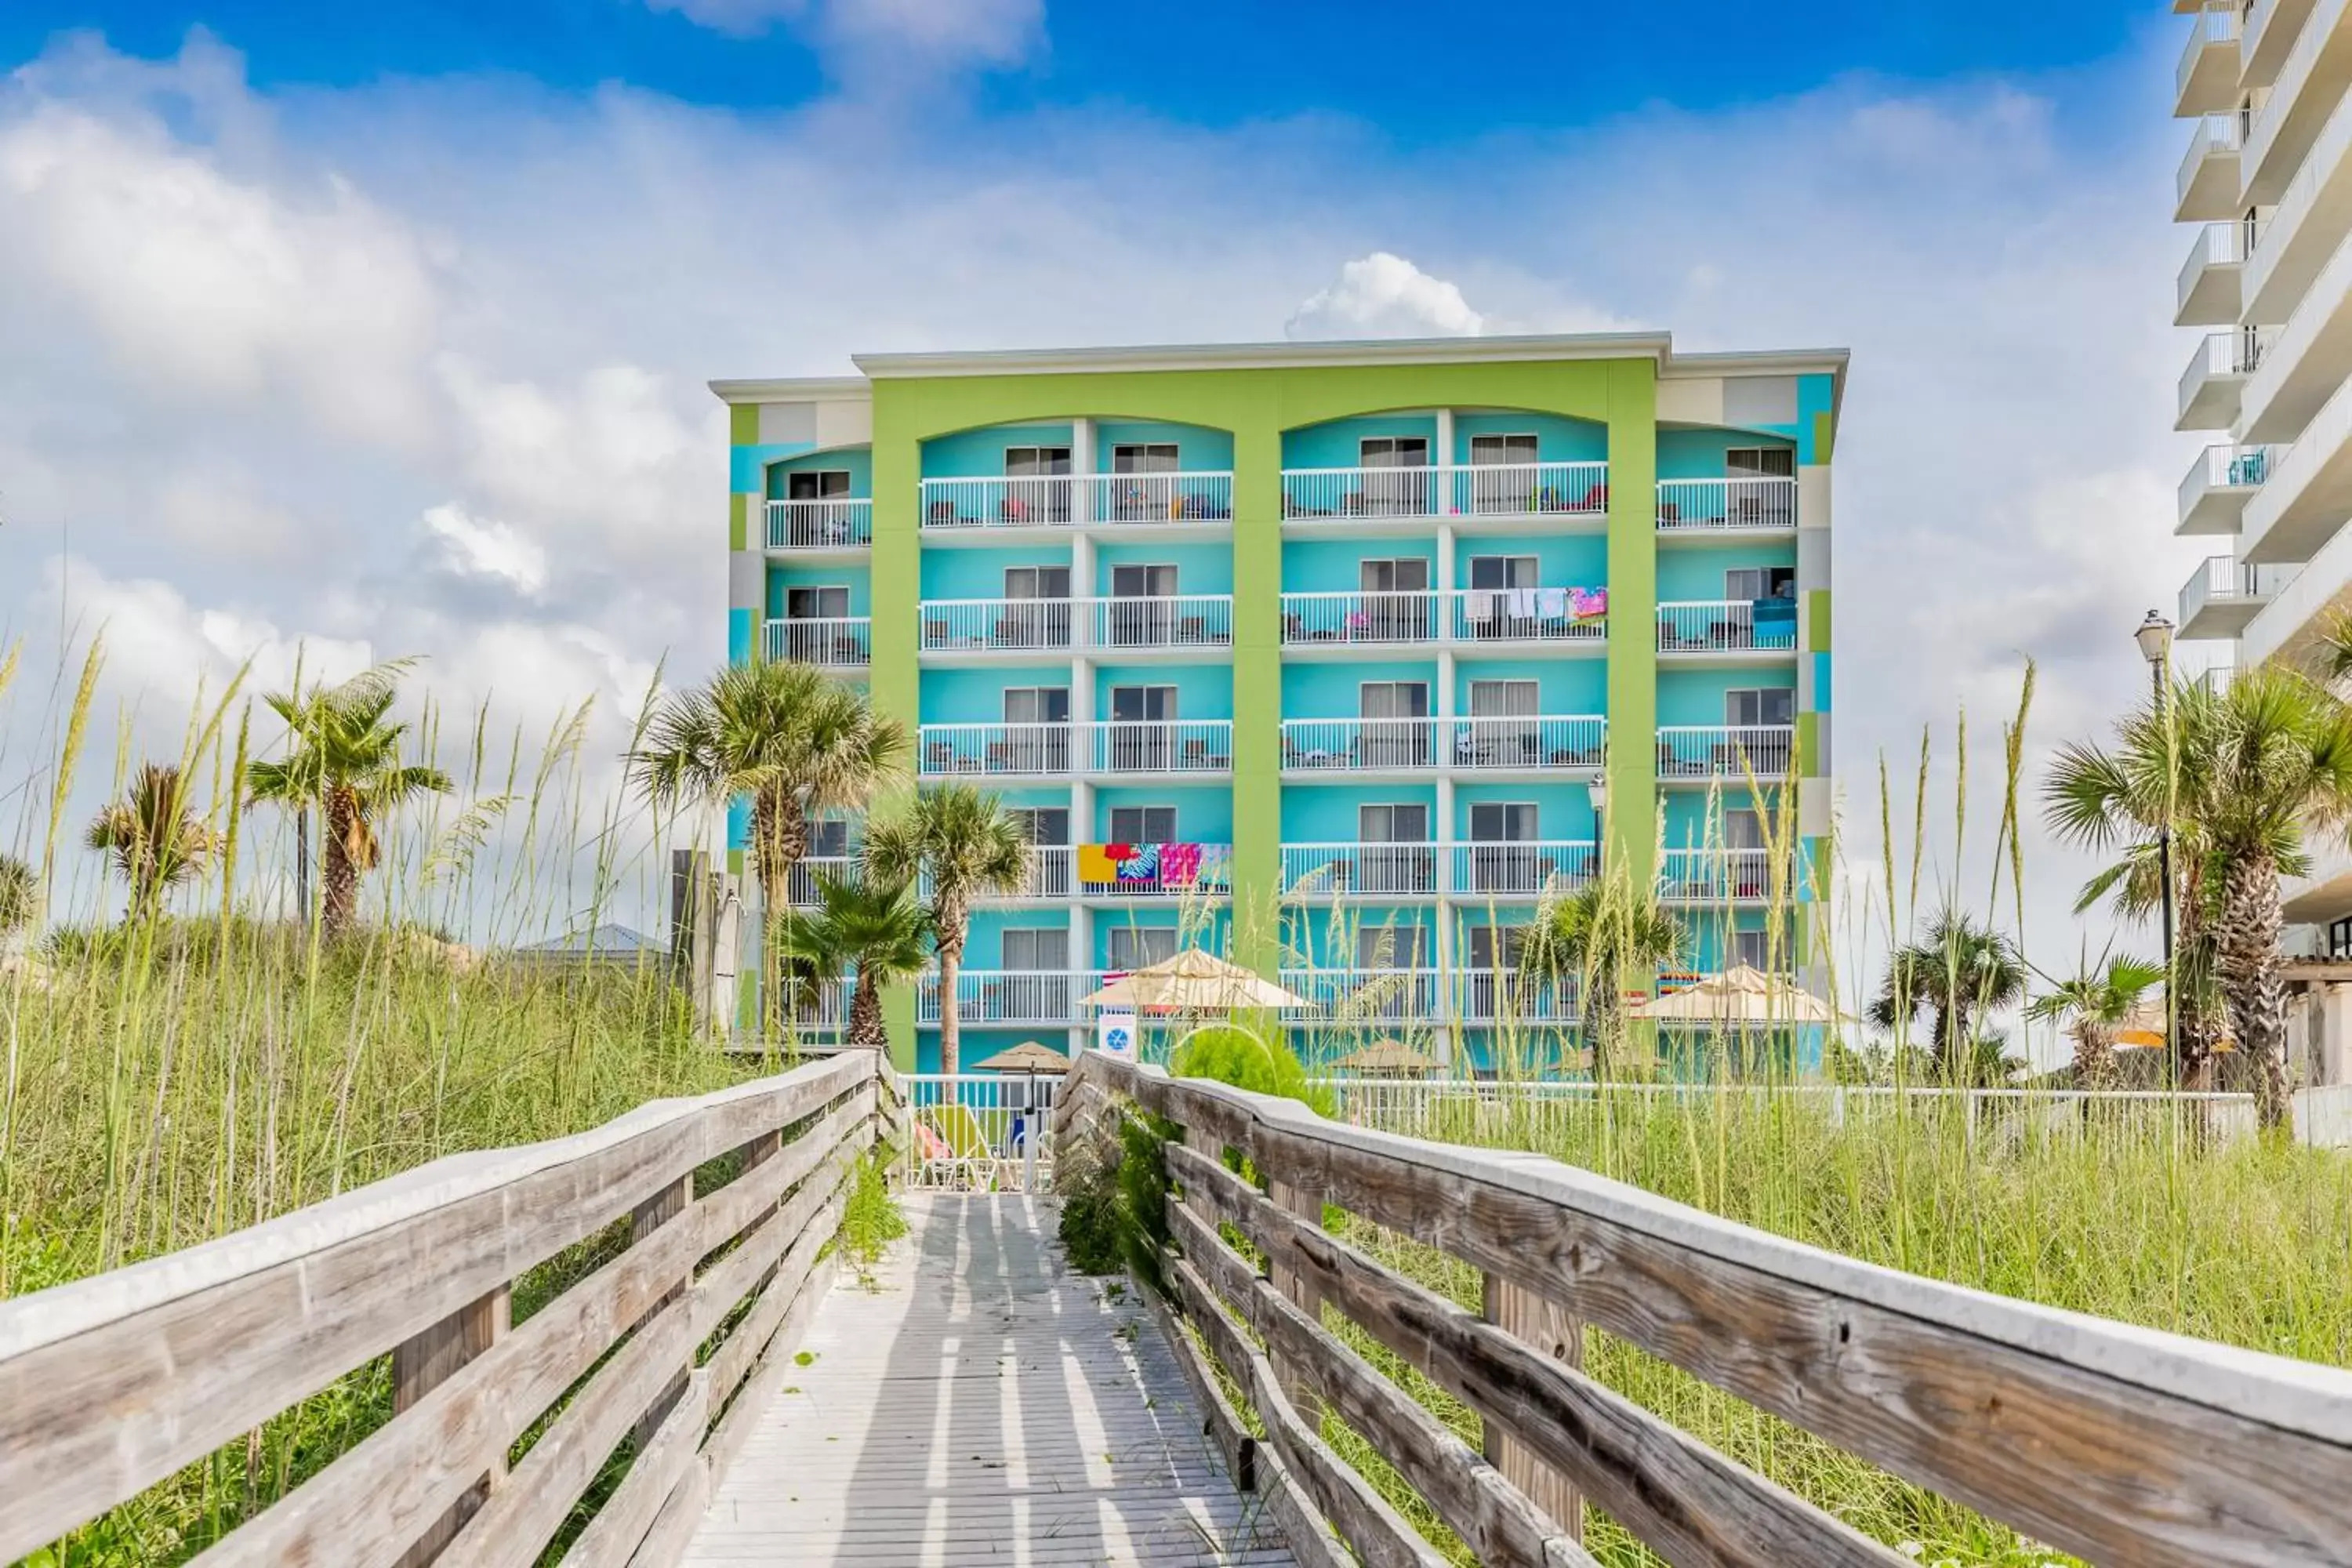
pixel 980 1405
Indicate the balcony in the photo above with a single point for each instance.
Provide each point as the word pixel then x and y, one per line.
pixel 1526 868
pixel 1481 617
pixel 1173 622
pixel 2304 361
pixel 2306 492
pixel 820 525
pixel 1021 998
pixel 847 643
pixel 1519 871
pixel 1146 746
pixel 1518 743
pixel 1367 995
pixel 2224 594
pixel 1370 620
pixel 2214 492
pixel 2314 213
pixel 1731 751
pixel 1720 877
pixel 1502 996
pixel 1698 630
pixel 801 881
pixel 2205 81
pixel 2209 290
pixel 1049 876
pixel 2207 182
pixel 2312 79
pixel 1540 615
pixel 1480 491
pixel 2215 381
pixel 1747 504
pixel 1064 500
pixel 2271 32
pixel 1358 745
pixel 1156 870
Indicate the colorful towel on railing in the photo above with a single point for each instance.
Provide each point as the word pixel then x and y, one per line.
pixel 1170 865
pixel 1588 604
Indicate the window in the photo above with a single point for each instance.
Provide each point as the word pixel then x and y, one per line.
pixel 1046 825
pixel 1039 616
pixel 1401 824
pixel 1394 733
pixel 1760 463
pixel 1142 704
pixel 1408 574
pixel 828 838
pixel 1743 829
pixel 1502 822
pixel 817 484
pixel 1143 825
pixel 809 637
pixel 1404 494
pixel 1038 948
pixel 1019 462
pixel 1392 699
pixel 2339 938
pixel 1752 948
pixel 1036 704
pixel 1490 450
pixel 1759 582
pixel 1503 699
pixel 1392 947
pixel 815 604
pixel 1036 582
pixel 1504 571
pixel 1767 705
pixel 1394 452
pixel 1133 947
pixel 1139 457
pixel 1496 947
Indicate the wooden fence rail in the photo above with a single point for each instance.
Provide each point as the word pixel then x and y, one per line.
pixel 114 1384
pixel 2117 1444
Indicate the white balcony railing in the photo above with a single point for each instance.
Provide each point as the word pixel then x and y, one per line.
pixel 996 626
pixel 820 1009
pixel 2218 368
pixel 1732 751
pixel 1358 745
pixel 1542 741
pixel 1482 489
pixel 1718 875
pixel 1367 995
pixel 1359 492
pixel 1049 876
pixel 1162 746
pixel 1531 490
pixel 1526 868
pixel 820 525
pixel 1755 503
pixel 1501 997
pixel 2216 245
pixel 1381 618
pixel 847 643
pixel 801 881
pixel 1048 500
pixel 1526 615
pixel 2223 579
pixel 2215 135
pixel 1350 870
pixel 1015 996
pixel 1033 625
pixel 1157 497
pixel 1727 625
pixel 2216 24
pixel 1049 750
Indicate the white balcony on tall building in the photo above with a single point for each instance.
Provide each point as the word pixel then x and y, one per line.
pixel 2312 79
pixel 1522 742
pixel 2205 81
pixel 1478 743
pixel 2301 607
pixel 2208 286
pixel 2224 594
pixel 1721 876
pixel 1729 751
pixel 2306 492
pixel 2217 375
pixel 1313 621
pixel 1378 745
pixel 1172 623
pixel 844 642
pixel 1118 746
pixel 950 506
pixel 819 525
pixel 1558 490
pixel 1556 616
pixel 2207 182
pixel 2214 492
pixel 1368 997
pixel 1705 630
pixel 1741 504
pixel 1517 872
pixel 1560 618
pixel 2294 241
pixel 1022 999
pixel 1358 871
pixel 2303 361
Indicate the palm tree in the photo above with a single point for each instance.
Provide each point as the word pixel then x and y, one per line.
pixel 1599 937
pixel 156 841
pixel 793 739
pixel 1959 971
pixel 19 888
pixel 967 845
pixel 344 759
pixel 2094 1003
pixel 873 929
pixel 2239 776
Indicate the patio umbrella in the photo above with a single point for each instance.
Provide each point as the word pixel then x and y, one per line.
pixel 1028 1056
pixel 2145 1027
pixel 1740 995
pixel 1387 1057
pixel 1192 981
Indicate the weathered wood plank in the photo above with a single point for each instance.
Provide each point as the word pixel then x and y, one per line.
pixel 613 1537
pixel 735 1275
pixel 763 1373
pixel 1376 1532
pixel 1691 1505
pixel 735 1354
pixel 1254 1467
pixel 422 1363
pixel 674 1527
pixel 523 1515
pixel 1498 1524
pixel 2111 1442
pixel 1547 1328
pixel 109 1384
pixel 726 1213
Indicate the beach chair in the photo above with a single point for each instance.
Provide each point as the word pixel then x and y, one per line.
pixel 968 1164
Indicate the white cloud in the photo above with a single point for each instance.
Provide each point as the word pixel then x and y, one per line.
pixel 1384 296
pixel 484 547
pixel 944 32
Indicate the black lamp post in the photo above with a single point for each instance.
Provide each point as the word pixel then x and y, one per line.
pixel 1598 790
pixel 2154 639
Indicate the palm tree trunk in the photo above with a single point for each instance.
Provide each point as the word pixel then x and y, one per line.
pixel 865 1015
pixel 2095 1058
pixel 2246 950
pixel 339 880
pixel 954 929
pixel 780 837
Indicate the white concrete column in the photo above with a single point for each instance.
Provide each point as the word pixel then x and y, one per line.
pixel 2333 1060
pixel 1082 469
pixel 1444 456
pixel 1083 591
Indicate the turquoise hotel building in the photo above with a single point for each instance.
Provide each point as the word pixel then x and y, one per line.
pixel 1334 657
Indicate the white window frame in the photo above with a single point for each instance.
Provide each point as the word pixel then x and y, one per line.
pixel 1366 833
pixel 1144 813
pixel 1364 689
pixel 1504 437
pixel 1534 820
pixel 823 477
pixel 1390 448
pixel 1037 454
pixel 1756 695
pixel 1512 690
pixel 1145 943
pixel 1031 935
pixel 1038 694
pixel 1512 570
pixel 821 590
pixel 1759 462
pixel 1124 454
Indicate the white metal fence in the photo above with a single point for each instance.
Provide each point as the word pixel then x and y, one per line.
pixel 1534 740
pixel 1479 489
pixel 984 1132
pixel 1750 501
pixel 1718 875
pixel 841 643
pixel 1029 626
pixel 820 525
pixel 1727 625
pixel 1725 750
pixel 1524 614
pixel 1358 745
pixel 1394 617
pixel 1046 501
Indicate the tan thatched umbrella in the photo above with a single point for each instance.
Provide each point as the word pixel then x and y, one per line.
pixel 1192 981
pixel 1028 1056
pixel 1388 1058
pixel 2145 1028
pixel 1740 995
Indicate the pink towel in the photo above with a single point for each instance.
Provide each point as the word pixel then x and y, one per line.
pixel 1180 863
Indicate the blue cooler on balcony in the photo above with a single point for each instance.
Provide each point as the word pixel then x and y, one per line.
pixel 1775 621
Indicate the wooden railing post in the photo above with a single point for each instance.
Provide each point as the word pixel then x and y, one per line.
pixel 422 1363
pixel 663 1207
pixel 1307 1202
pixel 1549 1329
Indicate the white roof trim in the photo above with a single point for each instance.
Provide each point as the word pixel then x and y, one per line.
pixel 794 389
pixel 1264 356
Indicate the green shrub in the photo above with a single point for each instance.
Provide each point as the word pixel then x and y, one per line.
pixel 1232 1054
pixel 1115 1211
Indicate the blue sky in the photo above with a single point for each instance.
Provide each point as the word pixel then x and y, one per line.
pixel 387 334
